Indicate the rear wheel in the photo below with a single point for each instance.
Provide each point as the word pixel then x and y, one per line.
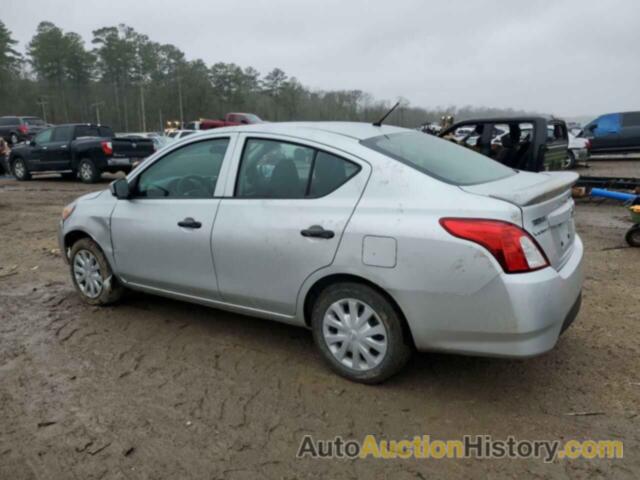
pixel 359 333
pixel 87 171
pixel 633 236
pixel 20 170
pixel 91 274
pixel 570 161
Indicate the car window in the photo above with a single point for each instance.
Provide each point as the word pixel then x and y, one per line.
pixel 87 131
pixel 188 172
pixel 274 169
pixel 329 172
pixel 9 121
pixel 44 136
pixel 105 132
pixel 606 124
pixel 34 121
pixel 63 134
pixel 439 158
pixel 631 119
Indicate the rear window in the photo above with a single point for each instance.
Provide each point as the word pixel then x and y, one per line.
pixel 439 158
pixel 93 131
pixel 34 121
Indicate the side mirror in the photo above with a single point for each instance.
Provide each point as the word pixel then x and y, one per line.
pixel 120 189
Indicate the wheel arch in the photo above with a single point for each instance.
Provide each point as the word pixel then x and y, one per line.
pixel 322 283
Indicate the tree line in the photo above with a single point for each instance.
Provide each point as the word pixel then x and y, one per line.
pixel 132 83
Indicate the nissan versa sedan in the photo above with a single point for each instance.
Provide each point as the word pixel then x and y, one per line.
pixel 379 239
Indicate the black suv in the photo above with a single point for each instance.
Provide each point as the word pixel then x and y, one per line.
pixel 18 129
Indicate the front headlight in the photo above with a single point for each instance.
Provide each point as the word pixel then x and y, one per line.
pixel 67 211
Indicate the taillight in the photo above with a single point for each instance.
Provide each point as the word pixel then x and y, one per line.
pixel 588 144
pixel 24 129
pixel 514 249
pixel 107 148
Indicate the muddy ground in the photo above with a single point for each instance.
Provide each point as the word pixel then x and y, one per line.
pixel 155 388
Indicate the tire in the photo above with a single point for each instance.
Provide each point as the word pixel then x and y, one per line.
pixel 87 171
pixel 91 274
pixel 13 139
pixel 387 347
pixel 20 170
pixel 633 236
pixel 570 161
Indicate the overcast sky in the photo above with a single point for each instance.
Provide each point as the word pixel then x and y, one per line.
pixel 568 58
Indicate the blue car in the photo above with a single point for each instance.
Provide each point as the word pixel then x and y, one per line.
pixel 614 132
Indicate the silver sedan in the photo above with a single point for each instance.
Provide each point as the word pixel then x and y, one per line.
pixel 380 240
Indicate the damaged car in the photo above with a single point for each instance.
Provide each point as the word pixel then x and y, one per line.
pixel 379 239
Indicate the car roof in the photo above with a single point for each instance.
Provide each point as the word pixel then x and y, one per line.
pixel 355 130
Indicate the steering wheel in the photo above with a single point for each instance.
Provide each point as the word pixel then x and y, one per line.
pixel 191 184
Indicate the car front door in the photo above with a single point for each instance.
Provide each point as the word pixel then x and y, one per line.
pixel 162 235
pixel 605 132
pixel 281 219
pixel 38 150
pixel 57 156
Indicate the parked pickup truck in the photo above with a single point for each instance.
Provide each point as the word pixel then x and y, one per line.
pixel 230 120
pixel 81 150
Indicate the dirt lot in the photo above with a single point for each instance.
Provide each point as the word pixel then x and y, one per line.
pixel 155 388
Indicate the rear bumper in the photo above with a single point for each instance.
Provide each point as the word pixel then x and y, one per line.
pixel 511 316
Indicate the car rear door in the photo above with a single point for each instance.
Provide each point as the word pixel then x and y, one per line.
pixel 556 148
pixel 282 218
pixel 630 132
pixel 161 236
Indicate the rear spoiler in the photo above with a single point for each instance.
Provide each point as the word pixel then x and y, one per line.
pixel 549 185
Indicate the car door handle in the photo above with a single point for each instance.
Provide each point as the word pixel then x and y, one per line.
pixel 189 223
pixel 318 232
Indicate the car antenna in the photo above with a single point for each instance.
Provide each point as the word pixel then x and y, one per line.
pixel 384 117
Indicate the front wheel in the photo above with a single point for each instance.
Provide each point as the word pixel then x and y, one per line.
pixel 87 171
pixel 91 274
pixel 359 333
pixel 20 170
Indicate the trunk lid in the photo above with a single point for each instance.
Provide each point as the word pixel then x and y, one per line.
pixel 546 205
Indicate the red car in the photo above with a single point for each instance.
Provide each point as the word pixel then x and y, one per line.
pixel 230 120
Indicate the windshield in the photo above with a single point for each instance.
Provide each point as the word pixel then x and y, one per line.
pixel 439 158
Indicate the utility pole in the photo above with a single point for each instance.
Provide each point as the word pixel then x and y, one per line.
pixel 143 115
pixel 180 107
pixel 43 104
pixel 97 107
